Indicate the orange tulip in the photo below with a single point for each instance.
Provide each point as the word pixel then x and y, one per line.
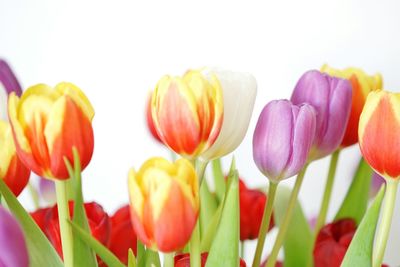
pixel 47 124
pixel 361 84
pixel 164 203
pixel 12 170
pixel 187 112
pixel 379 133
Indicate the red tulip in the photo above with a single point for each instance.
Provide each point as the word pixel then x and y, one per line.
pixel 183 260
pixel 123 237
pixel 252 203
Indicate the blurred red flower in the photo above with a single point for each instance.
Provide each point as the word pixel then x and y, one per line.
pixel 183 260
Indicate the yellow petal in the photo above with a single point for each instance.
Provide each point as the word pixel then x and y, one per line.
pixel 7 146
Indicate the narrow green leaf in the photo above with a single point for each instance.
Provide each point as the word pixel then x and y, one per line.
pixel 356 201
pixel 225 247
pixel 141 253
pixel 219 180
pixel 106 255
pixel 298 242
pixel 209 234
pixel 41 252
pixel 208 204
pixel 152 259
pixel 359 252
pixel 131 259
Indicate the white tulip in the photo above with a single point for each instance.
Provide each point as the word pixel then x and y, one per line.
pixel 3 103
pixel 239 94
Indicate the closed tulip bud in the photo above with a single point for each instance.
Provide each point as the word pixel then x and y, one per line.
pixel 282 139
pixel 164 203
pixel 14 252
pixel 47 124
pixel 239 94
pixel 331 99
pixel 361 84
pixel 379 132
pixel 150 122
pixel 187 112
pixel 12 170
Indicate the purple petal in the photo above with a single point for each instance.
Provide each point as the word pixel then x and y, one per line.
pixel 8 79
pixel 47 190
pixel 13 251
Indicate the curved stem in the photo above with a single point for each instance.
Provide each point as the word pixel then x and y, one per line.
pixel 384 226
pixel 265 223
pixel 328 192
pixel 65 227
pixel 288 216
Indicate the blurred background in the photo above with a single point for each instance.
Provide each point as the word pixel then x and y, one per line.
pixel 117 50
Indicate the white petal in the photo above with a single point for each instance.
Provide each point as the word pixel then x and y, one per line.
pixel 239 94
pixel 3 103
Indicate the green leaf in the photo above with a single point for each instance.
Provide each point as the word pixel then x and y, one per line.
pixel 106 255
pixel 131 259
pixel 208 204
pixel 298 242
pixel 225 248
pixel 152 259
pixel 356 201
pixel 219 180
pixel 41 252
pixel 83 254
pixel 209 234
pixel 359 252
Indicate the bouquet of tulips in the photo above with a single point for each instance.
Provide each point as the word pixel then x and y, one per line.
pixel 177 217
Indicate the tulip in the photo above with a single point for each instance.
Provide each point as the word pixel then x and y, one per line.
pixel 187 112
pixel 47 124
pixel 282 139
pixel 239 94
pixel 150 122
pixel 12 170
pixel 12 242
pixel 331 97
pixel 10 84
pixel 361 84
pixel 47 190
pixel 183 260
pixel 164 203
pixel 123 237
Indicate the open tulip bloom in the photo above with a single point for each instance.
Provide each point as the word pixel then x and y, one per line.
pixel 200 116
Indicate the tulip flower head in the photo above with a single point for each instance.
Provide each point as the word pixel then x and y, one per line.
pixel 150 122
pixel 10 84
pixel 331 97
pixel 164 203
pixel 361 84
pixel 282 139
pixel 12 170
pixel 239 94
pixel 379 132
pixel 12 242
pixel 187 112
pixel 47 124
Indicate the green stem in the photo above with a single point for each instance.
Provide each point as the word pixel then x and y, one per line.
pixel 286 220
pixel 265 223
pixel 65 228
pixel 195 257
pixel 384 226
pixel 218 179
pixel 34 195
pixel 201 169
pixel 328 192
pixel 169 259
pixel 242 248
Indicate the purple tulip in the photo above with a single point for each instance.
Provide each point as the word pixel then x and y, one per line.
pixel 47 190
pixel 13 251
pixel 8 79
pixel 376 182
pixel 283 138
pixel 331 98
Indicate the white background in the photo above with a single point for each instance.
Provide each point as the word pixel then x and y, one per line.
pixel 117 50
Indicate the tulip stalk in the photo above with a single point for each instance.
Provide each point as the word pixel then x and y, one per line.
pixel 169 260
pixel 328 191
pixel 384 226
pixel 286 220
pixel 265 223
pixel 65 228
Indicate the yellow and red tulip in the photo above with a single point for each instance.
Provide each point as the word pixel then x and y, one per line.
pixel 379 132
pixel 164 203
pixel 362 84
pixel 12 170
pixel 188 112
pixel 47 124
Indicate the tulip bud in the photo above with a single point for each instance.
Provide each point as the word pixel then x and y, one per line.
pixel 361 84
pixel 47 124
pixel 164 203
pixel 331 98
pixel 10 84
pixel 12 242
pixel 239 94
pixel 379 132
pixel 150 122
pixel 282 139
pixel 12 170
pixel 187 112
